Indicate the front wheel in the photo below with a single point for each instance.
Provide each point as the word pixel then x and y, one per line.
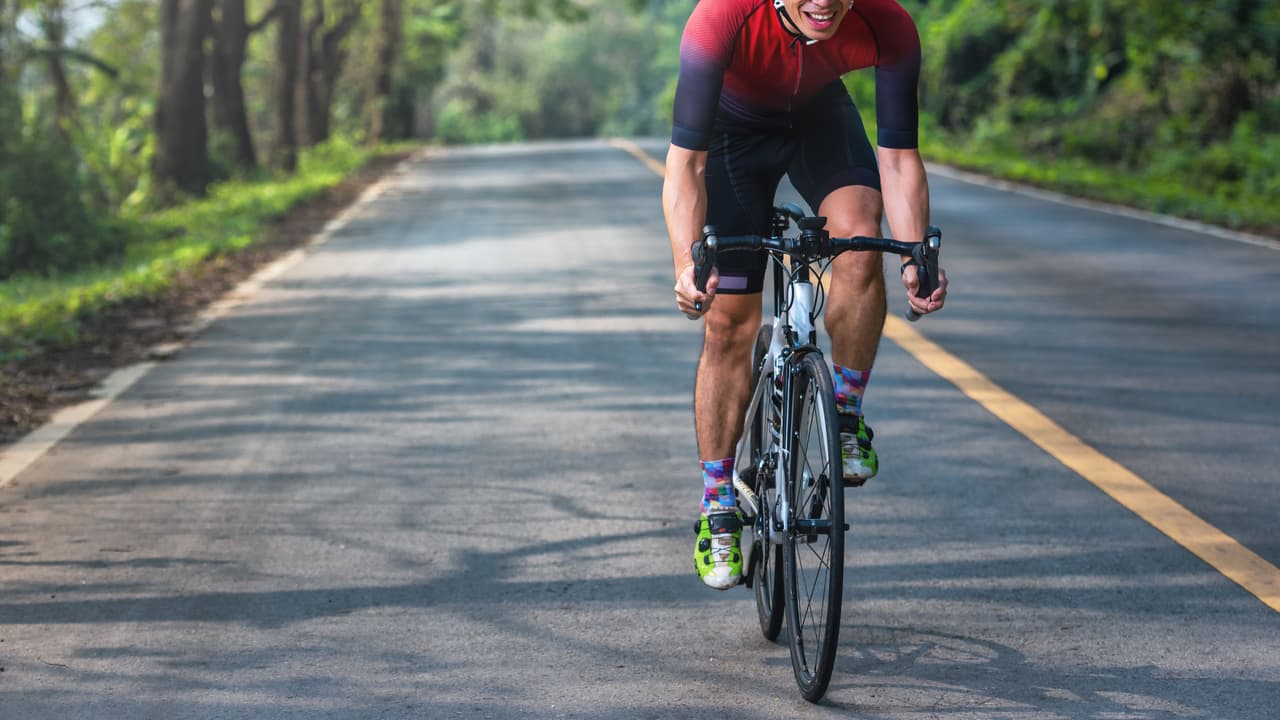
pixel 813 551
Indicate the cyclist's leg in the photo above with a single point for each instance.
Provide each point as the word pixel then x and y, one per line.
pixel 856 304
pixel 720 399
pixel 835 169
pixel 723 384
pixel 743 171
pixel 742 175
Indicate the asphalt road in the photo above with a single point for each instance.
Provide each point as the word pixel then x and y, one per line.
pixel 444 467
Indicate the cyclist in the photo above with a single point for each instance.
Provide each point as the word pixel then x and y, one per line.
pixel 758 96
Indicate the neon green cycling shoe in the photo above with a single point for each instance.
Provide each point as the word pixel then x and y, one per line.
pixel 718 554
pixel 859 458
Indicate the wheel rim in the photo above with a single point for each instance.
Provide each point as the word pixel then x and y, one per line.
pixel 815 544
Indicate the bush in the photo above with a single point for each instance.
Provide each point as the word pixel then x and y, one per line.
pixel 459 123
pixel 958 81
pixel 47 224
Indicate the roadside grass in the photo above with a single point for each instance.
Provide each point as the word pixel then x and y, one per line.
pixel 1166 191
pixel 164 245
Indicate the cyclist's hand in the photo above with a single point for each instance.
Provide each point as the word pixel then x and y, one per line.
pixel 935 301
pixel 687 294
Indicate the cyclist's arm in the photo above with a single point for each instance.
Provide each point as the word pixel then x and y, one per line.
pixel 684 204
pixel 906 206
pixel 906 192
pixel 706 50
pixel 905 188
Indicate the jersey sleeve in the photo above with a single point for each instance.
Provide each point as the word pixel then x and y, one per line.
pixel 897 78
pixel 706 48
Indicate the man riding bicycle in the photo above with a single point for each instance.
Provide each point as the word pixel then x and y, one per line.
pixel 759 95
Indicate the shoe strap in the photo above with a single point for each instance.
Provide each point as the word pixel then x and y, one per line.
pixel 850 424
pixel 722 523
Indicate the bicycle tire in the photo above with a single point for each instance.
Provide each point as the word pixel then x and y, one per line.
pixel 813 557
pixel 768 568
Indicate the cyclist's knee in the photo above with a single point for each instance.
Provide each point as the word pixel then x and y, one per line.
pixel 859 271
pixel 729 333
pixel 853 210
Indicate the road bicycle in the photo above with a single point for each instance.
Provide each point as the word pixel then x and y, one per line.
pixel 787 465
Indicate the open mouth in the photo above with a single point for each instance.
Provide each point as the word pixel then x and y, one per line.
pixel 819 20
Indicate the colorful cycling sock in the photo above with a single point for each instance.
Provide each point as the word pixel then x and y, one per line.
pixel 717 477
pixel 850 385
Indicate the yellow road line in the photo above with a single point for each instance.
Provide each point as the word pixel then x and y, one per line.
pixel 1222 552
pixel 640 154
pixel 1207 542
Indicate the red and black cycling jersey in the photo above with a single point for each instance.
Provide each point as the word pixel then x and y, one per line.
pixel 740 67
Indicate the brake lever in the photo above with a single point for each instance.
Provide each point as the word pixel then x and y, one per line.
pixel 704 261
pixel 924 257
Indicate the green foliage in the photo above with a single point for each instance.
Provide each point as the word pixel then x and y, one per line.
pixel 117 156
pixel 609 70
pixel 958 79
pixel 47 224
pixel 1170 106
pixel 164 245
pixel 460 122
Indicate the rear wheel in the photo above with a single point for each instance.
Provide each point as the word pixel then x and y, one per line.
pixel 767 566
pixel 813 557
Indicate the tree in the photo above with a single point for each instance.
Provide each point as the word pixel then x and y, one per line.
pixel 6 34
pixel 284 149
pixel 231 32
pixel 320 64
pixel 53 21
pixel 182 136
pixel 386 55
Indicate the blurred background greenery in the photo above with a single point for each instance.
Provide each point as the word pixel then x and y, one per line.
pixel 125 125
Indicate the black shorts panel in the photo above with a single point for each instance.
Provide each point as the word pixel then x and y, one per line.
pixel 826 148
pixel 834 151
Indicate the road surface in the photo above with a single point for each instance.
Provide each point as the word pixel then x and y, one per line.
pixel 443 466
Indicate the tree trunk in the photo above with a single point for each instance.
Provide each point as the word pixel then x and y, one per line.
pixel 230 39
pixel 284 150
pixel 54 22
pixel 6 30
pixel 10 120
pixel 308 104
pixel 332 59
pixel 323 58
pixel 181 157
pixel 385 56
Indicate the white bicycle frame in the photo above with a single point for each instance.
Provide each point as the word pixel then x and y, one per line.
pixel 798 317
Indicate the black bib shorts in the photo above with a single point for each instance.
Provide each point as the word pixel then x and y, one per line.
pixel 825 148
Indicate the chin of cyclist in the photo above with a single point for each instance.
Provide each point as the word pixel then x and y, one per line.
pixel 759 96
